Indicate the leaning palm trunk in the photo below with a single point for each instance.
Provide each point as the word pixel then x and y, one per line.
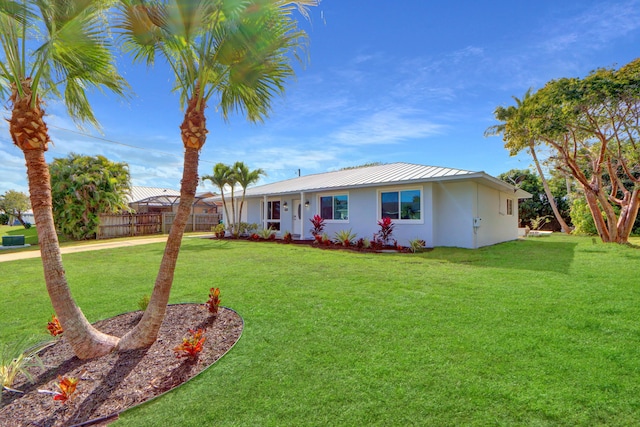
pixel 547 190
pixel 144 334
pixel 30 133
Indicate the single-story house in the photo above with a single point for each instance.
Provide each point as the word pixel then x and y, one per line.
pixel 442 206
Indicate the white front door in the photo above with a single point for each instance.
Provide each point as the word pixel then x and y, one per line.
pixel 297 214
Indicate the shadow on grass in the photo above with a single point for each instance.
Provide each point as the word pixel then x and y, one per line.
pixel 526 255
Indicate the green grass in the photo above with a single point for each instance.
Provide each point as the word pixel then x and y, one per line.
pixel 30 234
pixel 537 332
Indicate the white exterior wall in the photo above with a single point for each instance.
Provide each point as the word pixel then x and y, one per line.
pixel 448 212
pixel 456 204
pixel 496 226
pixel 453 213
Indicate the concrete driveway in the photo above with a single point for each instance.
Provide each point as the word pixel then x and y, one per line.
pixel 83 248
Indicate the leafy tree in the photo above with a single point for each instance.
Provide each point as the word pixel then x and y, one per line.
pixel 592 126
pixel 56 49
pixel 244 178
pixel 14 203
pixel 83 187
pixel 233 53
pixel 518 137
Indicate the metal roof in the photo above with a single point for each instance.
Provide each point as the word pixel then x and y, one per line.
pixel 387 174
pixel 138 193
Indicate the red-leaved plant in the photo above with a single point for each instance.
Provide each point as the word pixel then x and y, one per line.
pixel 66 389
pixel 386 230
pixel 318 225
pixel 213 303
pixel 192 345
pixel 54 326
pixel 288 237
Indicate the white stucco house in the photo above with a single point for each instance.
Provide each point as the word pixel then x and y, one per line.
pixel 442 206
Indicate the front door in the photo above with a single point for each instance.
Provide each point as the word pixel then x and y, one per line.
pixel 297 218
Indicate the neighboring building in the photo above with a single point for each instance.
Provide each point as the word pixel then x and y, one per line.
pixel 157 200
pixel 442 206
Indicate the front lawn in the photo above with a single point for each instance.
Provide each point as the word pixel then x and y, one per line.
pixel 30 234
pixel 537 332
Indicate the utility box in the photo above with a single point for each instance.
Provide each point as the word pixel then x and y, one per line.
pixel 12 240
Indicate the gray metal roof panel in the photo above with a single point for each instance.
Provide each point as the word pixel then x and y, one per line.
pixel 364 176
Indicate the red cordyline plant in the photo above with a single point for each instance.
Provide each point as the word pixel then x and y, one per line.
pixel 214 300
pixel 386 230
pixel 318 225
pixel 54 326
pixel 192 345
pixel 66 389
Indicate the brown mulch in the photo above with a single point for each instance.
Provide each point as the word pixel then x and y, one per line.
pixel 112 383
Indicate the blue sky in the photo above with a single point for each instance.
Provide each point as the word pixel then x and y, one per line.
pixel 400 81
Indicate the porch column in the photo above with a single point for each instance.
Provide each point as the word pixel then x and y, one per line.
pixel 302 215
pixel 265 212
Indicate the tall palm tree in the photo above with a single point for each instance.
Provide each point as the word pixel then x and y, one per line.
pixel 245 178
pixel 220 178
pixel 54 49
pixel 237 52
pixel 511 122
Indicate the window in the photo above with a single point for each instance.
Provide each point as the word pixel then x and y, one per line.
pixel 401 204
pixel 334 207
pixel 509 206
pixel 273 214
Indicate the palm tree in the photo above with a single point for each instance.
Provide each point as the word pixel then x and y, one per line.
pixel 511 123
pixel 245 178
pixel 235 51
pixel 220 178
pixel 54 49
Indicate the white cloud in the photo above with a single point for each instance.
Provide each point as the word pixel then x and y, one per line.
pixel 386 127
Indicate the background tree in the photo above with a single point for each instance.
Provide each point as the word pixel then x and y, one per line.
pixel 518 137
pixel 83 187
pixel 593 126
pixel 538 205
pixel 244 178
pixel 220 178
pixel 56 49
pixel 14 203
pixel 237 53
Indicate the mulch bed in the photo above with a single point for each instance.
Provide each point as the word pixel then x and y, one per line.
pixel 112 383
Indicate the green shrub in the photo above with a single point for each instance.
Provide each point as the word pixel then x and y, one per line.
pixel 345 237
pixel 266 233
pixel 14 362
pixel 581 218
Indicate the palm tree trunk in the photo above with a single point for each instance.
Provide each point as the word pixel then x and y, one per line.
pixel 193 130
pixel 224 204
pixel 233 212
pixel 146 331
pixel 547 190
pixel 86 341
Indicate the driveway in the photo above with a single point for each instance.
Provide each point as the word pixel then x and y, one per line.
pixel 82 248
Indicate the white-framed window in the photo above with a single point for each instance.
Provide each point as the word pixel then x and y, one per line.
pixel 334 207
pixel 273 214
pixel 509 206
pixel 401 204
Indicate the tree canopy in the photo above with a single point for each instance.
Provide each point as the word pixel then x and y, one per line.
pixel 14 203
pixel 592 128
pixel 83 187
